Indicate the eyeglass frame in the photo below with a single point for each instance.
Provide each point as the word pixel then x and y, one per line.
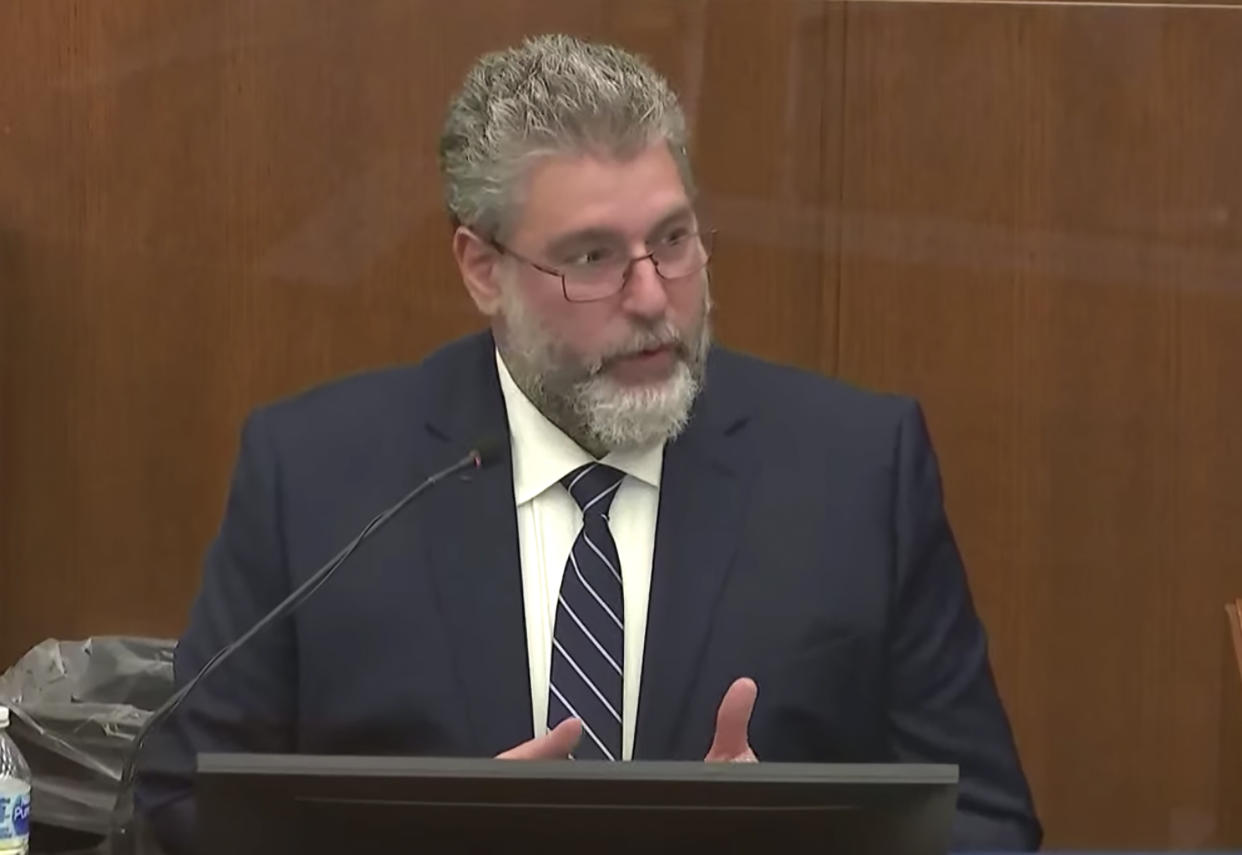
pixel 708 247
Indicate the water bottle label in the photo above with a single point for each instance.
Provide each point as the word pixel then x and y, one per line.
pixel 14 817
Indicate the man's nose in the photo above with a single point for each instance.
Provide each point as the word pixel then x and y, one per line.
pixel 645 293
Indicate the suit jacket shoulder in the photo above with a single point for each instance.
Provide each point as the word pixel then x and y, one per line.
pixel 809 413
pixel 358 409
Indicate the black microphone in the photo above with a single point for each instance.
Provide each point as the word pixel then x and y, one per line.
pixel 121 837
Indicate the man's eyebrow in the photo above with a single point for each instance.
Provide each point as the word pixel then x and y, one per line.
pixel 681 212
pixel 582 236
pixel 595 234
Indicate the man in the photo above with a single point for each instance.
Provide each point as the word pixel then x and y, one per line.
pixel 687 553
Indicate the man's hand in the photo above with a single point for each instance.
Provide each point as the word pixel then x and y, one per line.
pixel 556 744
pixel 731 745
pixel 732 742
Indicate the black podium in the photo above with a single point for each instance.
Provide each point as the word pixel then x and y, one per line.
pixel 269 804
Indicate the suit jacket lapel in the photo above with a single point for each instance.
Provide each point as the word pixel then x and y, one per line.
pixel 703 490
pixel 473 546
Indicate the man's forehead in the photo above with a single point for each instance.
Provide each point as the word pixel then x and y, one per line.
pixel 566 194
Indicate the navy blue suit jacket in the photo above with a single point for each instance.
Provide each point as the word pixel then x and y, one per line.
pixel 801 541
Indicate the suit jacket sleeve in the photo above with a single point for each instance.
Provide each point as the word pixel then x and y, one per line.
pixel 247 705
pixel 944 706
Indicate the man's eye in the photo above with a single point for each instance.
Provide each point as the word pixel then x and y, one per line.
pixel 676 237
pixel 591 257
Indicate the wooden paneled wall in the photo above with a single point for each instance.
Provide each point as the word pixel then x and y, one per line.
pixel 1043 239
pixel 1029 216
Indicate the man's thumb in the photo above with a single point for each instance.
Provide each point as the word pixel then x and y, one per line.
pixel 563 739
pixel 733 722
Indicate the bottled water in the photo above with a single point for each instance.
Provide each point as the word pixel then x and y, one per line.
pixel 14 794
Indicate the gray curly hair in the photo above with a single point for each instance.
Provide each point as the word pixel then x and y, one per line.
pixel 553 94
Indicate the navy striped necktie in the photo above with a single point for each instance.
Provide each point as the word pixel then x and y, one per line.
pixel 588 641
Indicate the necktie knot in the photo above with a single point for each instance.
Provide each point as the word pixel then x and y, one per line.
pixel 593 486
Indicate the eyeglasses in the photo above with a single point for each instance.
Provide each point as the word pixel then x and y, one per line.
pixel 598 272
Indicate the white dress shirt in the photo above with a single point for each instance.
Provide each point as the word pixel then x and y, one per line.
pixel 548 522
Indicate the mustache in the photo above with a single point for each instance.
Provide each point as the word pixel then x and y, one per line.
pixel 652 338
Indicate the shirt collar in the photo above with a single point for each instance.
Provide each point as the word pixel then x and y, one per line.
pixel 543 454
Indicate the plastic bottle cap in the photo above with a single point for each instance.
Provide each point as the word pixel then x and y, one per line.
pixel 4 717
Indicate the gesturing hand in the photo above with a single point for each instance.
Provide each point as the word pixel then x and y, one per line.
pixel 731 744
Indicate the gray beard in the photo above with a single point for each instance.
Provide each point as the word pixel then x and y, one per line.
pixel 591 408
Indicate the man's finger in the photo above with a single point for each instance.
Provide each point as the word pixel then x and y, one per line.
pixel 557 744
pixel 733 723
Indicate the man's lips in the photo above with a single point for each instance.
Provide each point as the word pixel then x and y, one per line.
pixel 647 353
pixel 645 365
pixel 652 351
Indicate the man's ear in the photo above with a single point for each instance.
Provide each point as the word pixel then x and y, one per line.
pixel 477 260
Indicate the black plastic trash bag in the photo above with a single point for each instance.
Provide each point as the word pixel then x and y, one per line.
pixel 76 706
